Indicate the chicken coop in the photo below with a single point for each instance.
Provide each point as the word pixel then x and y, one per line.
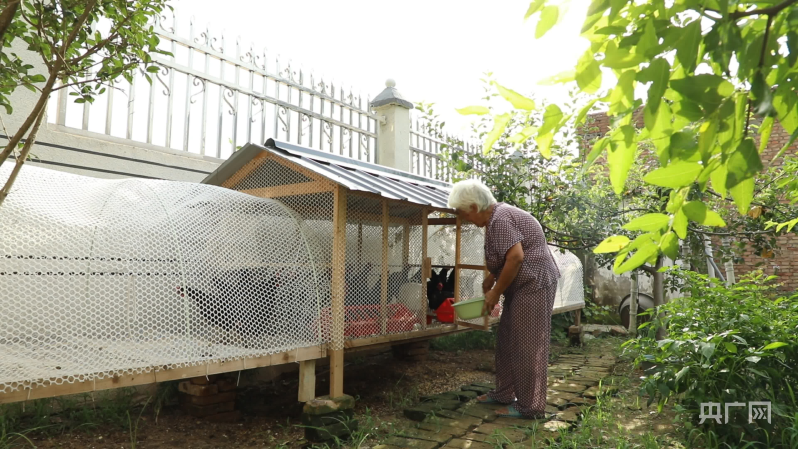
pixel 283 254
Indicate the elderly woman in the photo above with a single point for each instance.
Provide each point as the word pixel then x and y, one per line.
pixel 523 270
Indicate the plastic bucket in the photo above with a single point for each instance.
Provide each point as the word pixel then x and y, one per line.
pixel 468 310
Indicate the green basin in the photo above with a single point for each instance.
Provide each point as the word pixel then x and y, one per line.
pixel 468 310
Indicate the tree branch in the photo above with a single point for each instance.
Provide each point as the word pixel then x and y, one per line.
pixel 699 231
pixel 22 156
pixel 7 17
pixel 764 11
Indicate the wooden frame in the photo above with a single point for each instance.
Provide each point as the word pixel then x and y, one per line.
pixel 338 292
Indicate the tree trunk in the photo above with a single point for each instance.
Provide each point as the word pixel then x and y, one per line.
pixel 6 17
pixel 658 290
pixel 22 156
pixel 633 305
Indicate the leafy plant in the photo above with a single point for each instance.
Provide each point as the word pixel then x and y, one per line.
pixel 725 345
pixel 710 68
pixel 85 46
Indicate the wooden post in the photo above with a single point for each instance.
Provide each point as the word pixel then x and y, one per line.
pixel 459 223
pixel 307 380
pixel 338 292
pixel 384 292
pixel 406 246
pixel 424 266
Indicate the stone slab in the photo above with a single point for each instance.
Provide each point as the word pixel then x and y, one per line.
pixel 443 430
pixel 421 411
pixel 329 419
pixel 570 415
pixel 556 401
pixel 440 397
pixel 478 390
pixel 519 422
pixel 468 444
pixel 556 426
pixel 461 423
pixel 324 405
pixel 500 434
pixel 594 392
pixel 409 442
pixel 480 412
pixel 485 385
pixel 582 401
pixel 569 387
pixel 465 396
pixel 421 434
pixel 459 416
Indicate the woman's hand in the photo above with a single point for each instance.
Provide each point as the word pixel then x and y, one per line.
pixel 491 299
pixel 487 284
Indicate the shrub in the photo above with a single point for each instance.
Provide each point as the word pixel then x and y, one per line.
pixel 725 345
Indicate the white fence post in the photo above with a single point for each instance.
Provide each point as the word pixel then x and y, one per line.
pixel 393 130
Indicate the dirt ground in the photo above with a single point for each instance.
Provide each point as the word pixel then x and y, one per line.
pixel 383 387
pixel 381 384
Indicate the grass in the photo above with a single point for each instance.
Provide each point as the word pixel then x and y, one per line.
pixel 465 341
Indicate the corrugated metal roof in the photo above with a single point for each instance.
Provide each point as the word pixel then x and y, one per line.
pixel 352 174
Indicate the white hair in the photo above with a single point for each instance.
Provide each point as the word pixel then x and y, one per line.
pixel 468 192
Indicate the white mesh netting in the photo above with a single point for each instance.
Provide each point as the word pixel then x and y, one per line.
pixel 570 287
pixel 111 277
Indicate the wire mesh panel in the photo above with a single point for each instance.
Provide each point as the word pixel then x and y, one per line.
pixel 107 277
pixel 570 287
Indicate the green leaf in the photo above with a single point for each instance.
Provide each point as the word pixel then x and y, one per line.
pixel 660 129
pixel 657 73
pixel 648 222
pixel 743 194
pixel 731 347
pixel 707 90
pixel 534 7
pixel 718 179
pixel 548 17
pixel 764 133
pixel 701 214
pixel 707 350
pixel 675 175
pixel 784 100
pixel 649 42
pixel 743 163
pixel 707 134
pixel 640 257
pixel 753 359
pixel 588 73
pixel 762 96
pixel 669 245
pixel 774 345
pixel 562 77
pixel 499 124
pixel 682 372
pixel 598 148
pixel 611 244
pixel 584 111
pixel 622 97
pixel 552 120
pixel 792 47
pixel 621 58
pixel 517 100
pixel 522 136
pixel 687 45
pixel 621 155
pixel 473 110
pixel 680 224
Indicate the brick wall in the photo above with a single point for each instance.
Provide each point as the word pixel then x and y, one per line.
pixel 784 260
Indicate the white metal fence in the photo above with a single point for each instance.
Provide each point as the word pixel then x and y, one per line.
pixel 426 157
pixel 209 99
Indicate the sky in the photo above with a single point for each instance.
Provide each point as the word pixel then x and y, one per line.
pixel 435 50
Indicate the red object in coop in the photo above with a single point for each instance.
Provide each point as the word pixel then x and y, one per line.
pixel 362 321
pixel 445 312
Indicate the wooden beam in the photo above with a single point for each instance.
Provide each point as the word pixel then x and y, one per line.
pixel 457 253
pixel 406 245
pixel 578 317
pixel 401 337
pixel 567 308
pixel 31 392
pixel 303 188
pixel 471 267
pixel 479 327
pixel 384 286
pixel 442 221
pixel 338 293
pixel 425 262
pixel 307 381
pixel 248 168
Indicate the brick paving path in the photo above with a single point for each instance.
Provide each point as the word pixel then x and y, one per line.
pixel 454 419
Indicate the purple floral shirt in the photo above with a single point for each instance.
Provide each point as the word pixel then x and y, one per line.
pixel 507 226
